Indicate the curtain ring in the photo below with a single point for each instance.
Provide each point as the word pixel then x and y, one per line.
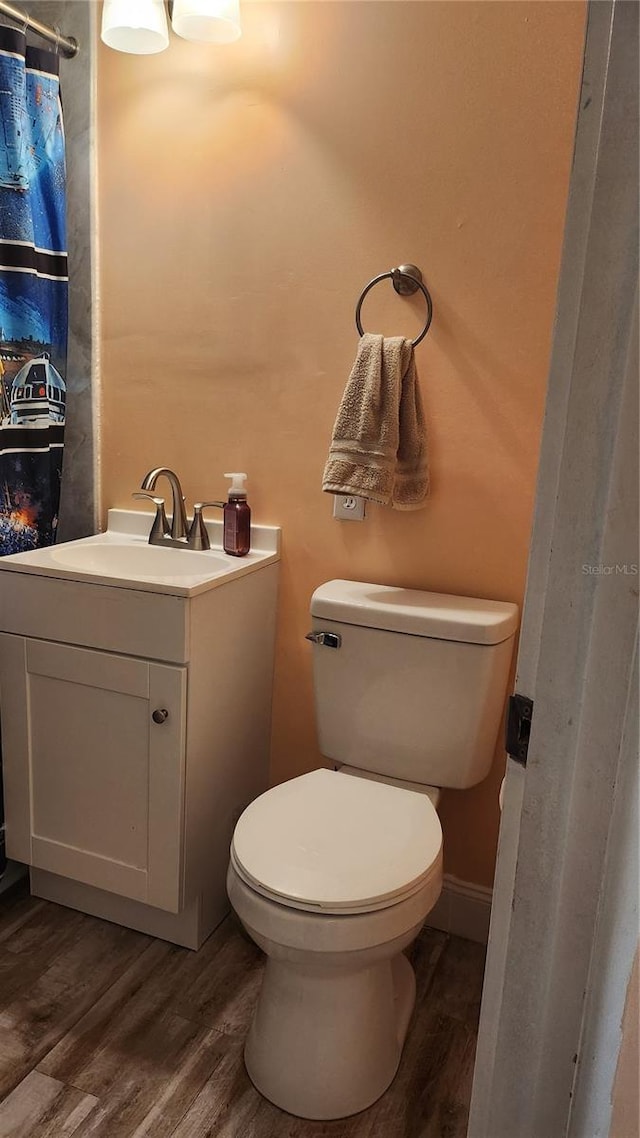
pixel 58 38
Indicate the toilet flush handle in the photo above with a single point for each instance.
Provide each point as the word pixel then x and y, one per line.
pixel 327 639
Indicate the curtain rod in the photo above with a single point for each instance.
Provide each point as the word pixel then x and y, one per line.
pixel 66 45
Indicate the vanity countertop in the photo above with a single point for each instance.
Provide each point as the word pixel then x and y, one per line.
pixel 121 557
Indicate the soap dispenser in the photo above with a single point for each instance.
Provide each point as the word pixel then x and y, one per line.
pixel 237 518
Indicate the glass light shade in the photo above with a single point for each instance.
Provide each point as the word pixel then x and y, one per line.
pixel 137 26
pixel 216 21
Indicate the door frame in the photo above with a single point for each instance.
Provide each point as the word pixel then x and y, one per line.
pixel 564 822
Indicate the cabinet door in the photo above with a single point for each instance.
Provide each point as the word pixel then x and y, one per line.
pixel 94 786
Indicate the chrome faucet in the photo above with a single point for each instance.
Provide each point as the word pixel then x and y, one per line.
pixel 178 532
pixel 174 535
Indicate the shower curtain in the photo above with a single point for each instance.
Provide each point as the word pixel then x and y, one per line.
pixel 33 294
pixel 33 298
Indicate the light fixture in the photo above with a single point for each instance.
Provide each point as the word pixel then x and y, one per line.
pixel 216 21
pixel 137 26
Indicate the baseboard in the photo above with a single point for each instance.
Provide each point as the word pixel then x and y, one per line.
pixel 184 928
pixel 462 909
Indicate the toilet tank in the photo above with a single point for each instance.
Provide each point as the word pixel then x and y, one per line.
pixel 415 690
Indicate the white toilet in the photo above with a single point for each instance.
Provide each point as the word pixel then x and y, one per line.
pixel 334 872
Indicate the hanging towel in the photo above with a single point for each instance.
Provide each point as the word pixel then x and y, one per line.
pixel 379 445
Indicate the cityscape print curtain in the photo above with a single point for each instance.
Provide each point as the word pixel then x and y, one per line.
pixel 33 300
pixel 33 294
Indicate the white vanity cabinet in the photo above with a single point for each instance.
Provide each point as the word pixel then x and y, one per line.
pixel 96 785
pixel 135 730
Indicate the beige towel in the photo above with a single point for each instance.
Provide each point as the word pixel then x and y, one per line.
pixel 379 445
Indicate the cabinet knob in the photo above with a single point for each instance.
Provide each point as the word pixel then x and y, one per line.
pixel 160 714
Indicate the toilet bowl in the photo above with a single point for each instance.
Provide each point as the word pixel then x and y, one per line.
pixel 333 876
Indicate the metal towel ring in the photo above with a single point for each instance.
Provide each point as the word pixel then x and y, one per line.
pixel 407 279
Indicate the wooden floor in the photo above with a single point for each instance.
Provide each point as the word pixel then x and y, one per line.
pixel 104 1031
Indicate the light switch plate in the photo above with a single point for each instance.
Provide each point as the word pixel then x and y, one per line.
pixel 348 508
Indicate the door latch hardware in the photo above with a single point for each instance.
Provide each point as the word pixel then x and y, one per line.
pixel 327 639
pixel 519 716
pixel 160 715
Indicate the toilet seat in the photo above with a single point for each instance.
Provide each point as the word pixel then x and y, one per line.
pixel 329 842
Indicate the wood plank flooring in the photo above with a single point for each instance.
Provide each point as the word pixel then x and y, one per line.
pixel 107 1033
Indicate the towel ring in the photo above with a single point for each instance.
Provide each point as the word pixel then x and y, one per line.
pixel 407 279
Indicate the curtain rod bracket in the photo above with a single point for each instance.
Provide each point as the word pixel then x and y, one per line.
pixel 65 45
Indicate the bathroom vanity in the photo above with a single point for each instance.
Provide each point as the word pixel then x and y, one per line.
pixel 135 698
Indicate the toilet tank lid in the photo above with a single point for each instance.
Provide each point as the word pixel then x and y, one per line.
pixel 438 615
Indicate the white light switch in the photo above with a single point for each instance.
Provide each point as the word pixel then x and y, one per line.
pixel 348 508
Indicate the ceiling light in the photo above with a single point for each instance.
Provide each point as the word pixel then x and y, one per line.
pixel 136 26
pixel 215 21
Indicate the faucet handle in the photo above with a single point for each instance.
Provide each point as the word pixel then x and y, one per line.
pixel 160 527
pixel 198 537
pixel 149 497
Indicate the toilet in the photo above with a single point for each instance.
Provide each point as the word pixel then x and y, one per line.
pixel 333 873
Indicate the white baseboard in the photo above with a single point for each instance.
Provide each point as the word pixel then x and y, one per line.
pixel 462 909
pixel 183 928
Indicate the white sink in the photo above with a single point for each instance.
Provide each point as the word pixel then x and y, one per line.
pixel 142 562
pixel 122 557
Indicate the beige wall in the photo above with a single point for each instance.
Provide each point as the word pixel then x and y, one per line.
pixel 625 1118
pixel 247 194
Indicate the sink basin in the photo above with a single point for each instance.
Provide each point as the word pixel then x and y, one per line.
pixel 141 562
pixel 122 558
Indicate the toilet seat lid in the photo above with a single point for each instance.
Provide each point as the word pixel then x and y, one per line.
pixel 333 842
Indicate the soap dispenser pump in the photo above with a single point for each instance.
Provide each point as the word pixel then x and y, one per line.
pixel 237 518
